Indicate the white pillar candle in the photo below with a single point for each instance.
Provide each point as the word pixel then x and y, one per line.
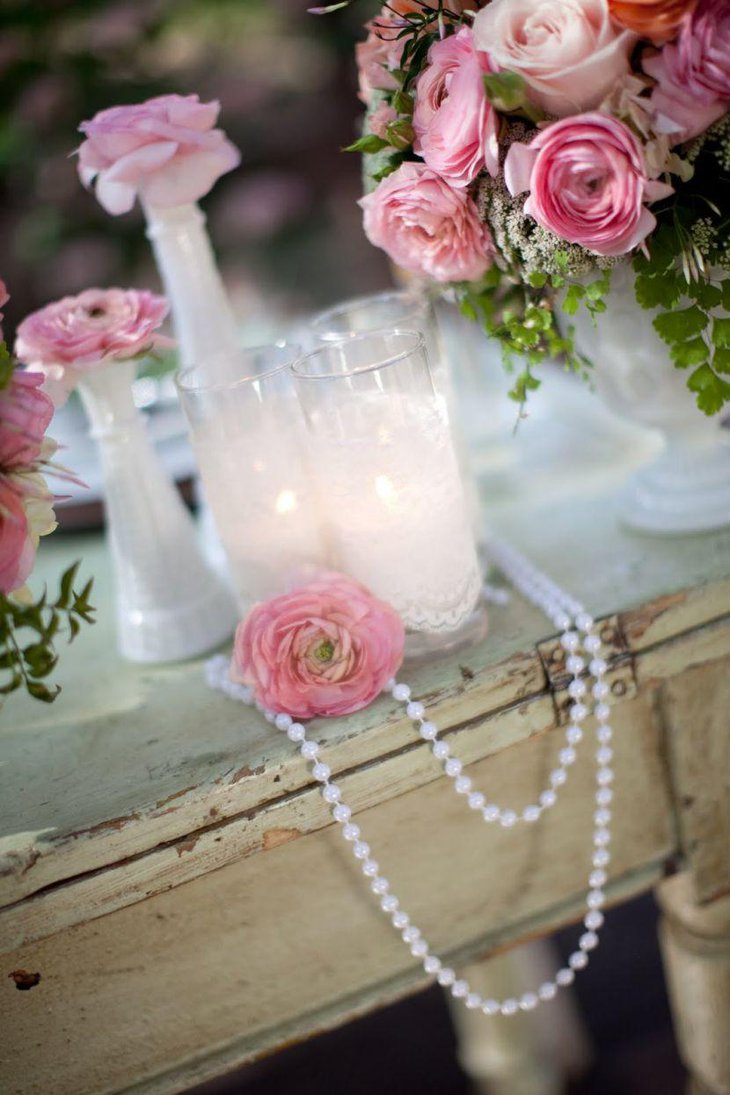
pixel 389 483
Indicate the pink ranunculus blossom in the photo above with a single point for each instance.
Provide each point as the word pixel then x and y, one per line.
pixel 17 552
pixel 4 298
pixel 77 334
pixel 426 226
pixel 588 183
pixel 455 124
pixel 693 73
pixel 327 648
pixel 379 120
pixel 569 52
pixel 25 414
pixel 164 150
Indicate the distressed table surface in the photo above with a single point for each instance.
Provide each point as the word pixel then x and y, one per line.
pixel 168 866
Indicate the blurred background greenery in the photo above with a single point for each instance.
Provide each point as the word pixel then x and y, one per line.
pixel 285 224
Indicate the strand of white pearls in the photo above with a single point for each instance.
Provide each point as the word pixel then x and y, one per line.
pixel 566 614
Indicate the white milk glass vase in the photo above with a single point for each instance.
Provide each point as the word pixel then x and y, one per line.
pixel 169 605
pixel 390 490
pixel 204 321
pixel 686 488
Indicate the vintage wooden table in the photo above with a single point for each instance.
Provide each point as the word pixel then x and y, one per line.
pixel 169 869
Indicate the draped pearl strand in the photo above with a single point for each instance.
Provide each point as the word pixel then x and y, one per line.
pixel 578 637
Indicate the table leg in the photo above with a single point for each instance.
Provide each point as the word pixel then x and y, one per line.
pixel 695 943
pixel 527 1054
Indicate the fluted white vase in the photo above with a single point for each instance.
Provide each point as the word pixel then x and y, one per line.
pixel 205 325
pixel 686 488
pixel 169 604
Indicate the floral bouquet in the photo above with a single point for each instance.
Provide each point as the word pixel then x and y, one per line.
pixel 29 628
pixel 517 150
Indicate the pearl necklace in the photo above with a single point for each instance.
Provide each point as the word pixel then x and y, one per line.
pixel 577 632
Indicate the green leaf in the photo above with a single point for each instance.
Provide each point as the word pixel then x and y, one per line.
pixel 67 581
pixel 572 299
pixel 725 290
pixel 369 143
pixel 721 360
pixel 694 352
pixel 6 366
pixel 653 291
pixel 680 326
pixel 403 103
pixel 400 134
pixel 40 692
pixel 705 293
pixel 505 90
pixel 537 280
pixel 721 333
pixel 711 390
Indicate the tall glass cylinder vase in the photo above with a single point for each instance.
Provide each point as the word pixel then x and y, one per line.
pixel 202 314
pixel 389 484
pixel 169 605
pixel 407 309
pixel 247 430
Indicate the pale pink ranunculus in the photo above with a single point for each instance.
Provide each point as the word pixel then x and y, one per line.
pixel 25 414
pixel 426 226
pixel 76 334
pixel 380 118
pixel 327 648
pixel 4 298
pixel 17 551
pixel 569 52
pixel 588 183
pixel 456 126
pixel 693 73
pixel 164 150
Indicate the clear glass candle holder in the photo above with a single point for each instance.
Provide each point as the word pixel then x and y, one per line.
pixel 407 309
pixel 250 441
pixel 391 494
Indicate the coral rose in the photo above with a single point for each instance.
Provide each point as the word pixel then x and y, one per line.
pixel 455 124
pixel 76 334
pixel 654 19
pixel 426 226
pixel 693 73
pixel 588 183
pixel 568 51
pixel 17 552
pixel 328 648
pixel 164 150
pixel 25 414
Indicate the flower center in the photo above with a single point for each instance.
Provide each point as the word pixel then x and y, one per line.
pixel 325 651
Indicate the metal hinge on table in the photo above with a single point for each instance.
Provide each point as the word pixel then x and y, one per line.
pixel 620 676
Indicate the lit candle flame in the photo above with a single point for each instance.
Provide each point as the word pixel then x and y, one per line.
pixel 286 502
pixel 386 491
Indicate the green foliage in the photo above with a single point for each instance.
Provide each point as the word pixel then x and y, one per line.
pixel 523 316
pixel 28 633
pixel 6 366
pixel 675 272
pixel 507 92
pixel 368 143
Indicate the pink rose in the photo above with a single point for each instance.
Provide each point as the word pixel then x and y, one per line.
pixel 380 119
pixel 568 51
pixel 76 334
pixel 17 552
pixel 380 54
pixel 456 126
pixel 328 648
pixel 4 298
pixel 588 182
pixel 426 226
pixel 25 414
pixel 164 150
pixel 693 73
